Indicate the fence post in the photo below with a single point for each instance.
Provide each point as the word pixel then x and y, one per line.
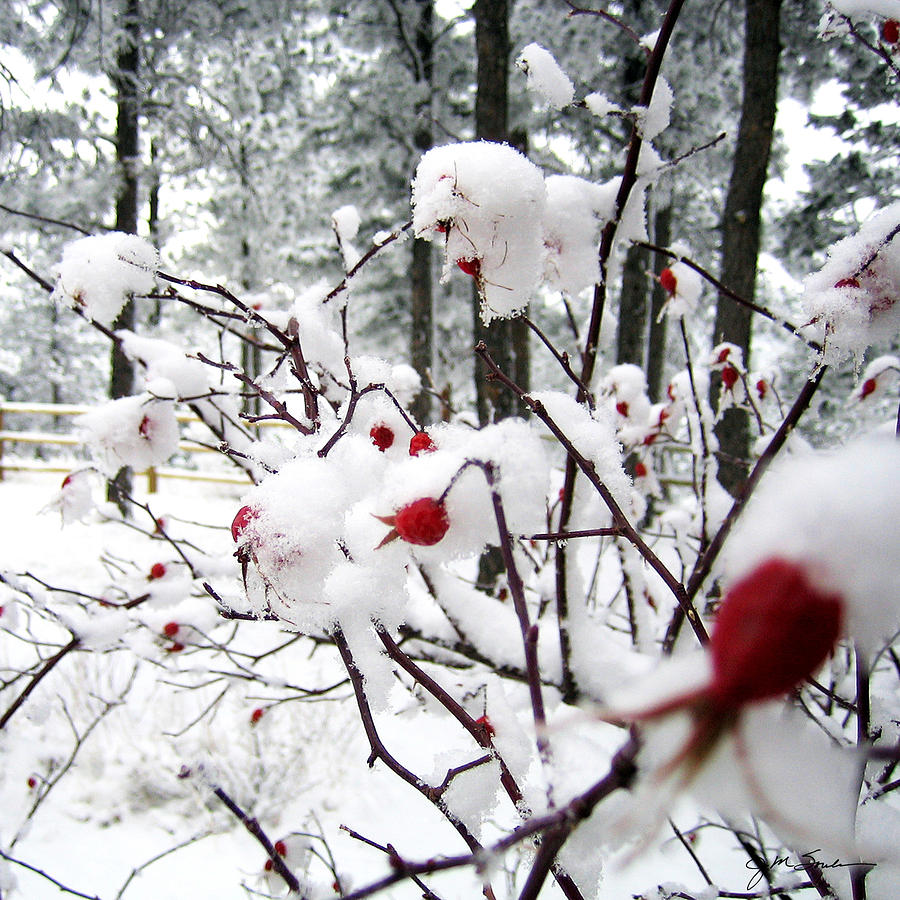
pixel 2 402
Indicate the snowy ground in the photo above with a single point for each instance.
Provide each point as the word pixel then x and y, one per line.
pixel 302 767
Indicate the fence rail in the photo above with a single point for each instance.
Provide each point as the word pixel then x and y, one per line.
pixel 62 439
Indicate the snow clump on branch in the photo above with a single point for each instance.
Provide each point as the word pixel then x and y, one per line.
pixel 576 209
pixel 854 296
pixel 487 202
pixel 545 77
pixel 100 273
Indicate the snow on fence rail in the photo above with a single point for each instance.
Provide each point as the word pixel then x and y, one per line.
pixel 63 439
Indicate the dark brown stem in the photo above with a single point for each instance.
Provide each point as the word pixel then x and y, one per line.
pixel 378 749
pixel 705 561
pixel 628 531
pixel 45 670
pixel 732 295
pixel 253 826
pixel 364 259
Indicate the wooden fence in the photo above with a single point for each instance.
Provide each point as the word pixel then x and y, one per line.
pixel 9 411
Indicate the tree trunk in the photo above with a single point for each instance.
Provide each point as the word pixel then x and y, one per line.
pixel 421 348
pixel 656 340
pixel 125 81
pixel 741 221
pixel 493 401
pixel 492 47
pixel 631 335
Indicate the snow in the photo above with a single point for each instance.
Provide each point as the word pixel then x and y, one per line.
pixel 600 105
pixel 576 210
pixel 99 274
pixel 851 300
pixel 886 8
pixel 834 512
pixel 653 120
pixel 545 77
pixel 138 431
pixel 485 202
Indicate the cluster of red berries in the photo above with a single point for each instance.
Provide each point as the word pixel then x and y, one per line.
pixel 281 849
pixel 171 630
pixel 383 438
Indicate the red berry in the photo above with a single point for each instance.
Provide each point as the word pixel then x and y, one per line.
pixel 670 392
pixel 146 428
pixel 382 436
pixel 622 408
pixel 32 782
pixel 157 570
pixel 242 520
pixel 421 442
pixel 651 438
pixel 256 715
pixel 280 848
pixel 724 353
pixel 773 630
pixel 485 723
pixel 847 282
pixel 470 266
pixel 640 470
pixel 729 377
pixel 176 647
pixel 423 522
pixel 67 481
pixel 668 281
pixel 890 31
pixel 762 388
pixel 170 629
pixel 268 865
pixel 868 387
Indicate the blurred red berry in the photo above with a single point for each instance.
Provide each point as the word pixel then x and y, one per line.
pixel 157 570
pixel 421 442
pixel 242 520
pixel 382 436
pixel 470 266
pixel 668 281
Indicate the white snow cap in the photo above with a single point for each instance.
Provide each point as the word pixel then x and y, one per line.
pixel 600 105
pixel 652 120
pixel 576 209
pixel 836 513
pixel 854 296
pixel 100 273
pixel 486 202
pixel 688 288
pixel 886 8
pixel 545 77
pixel 135 431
